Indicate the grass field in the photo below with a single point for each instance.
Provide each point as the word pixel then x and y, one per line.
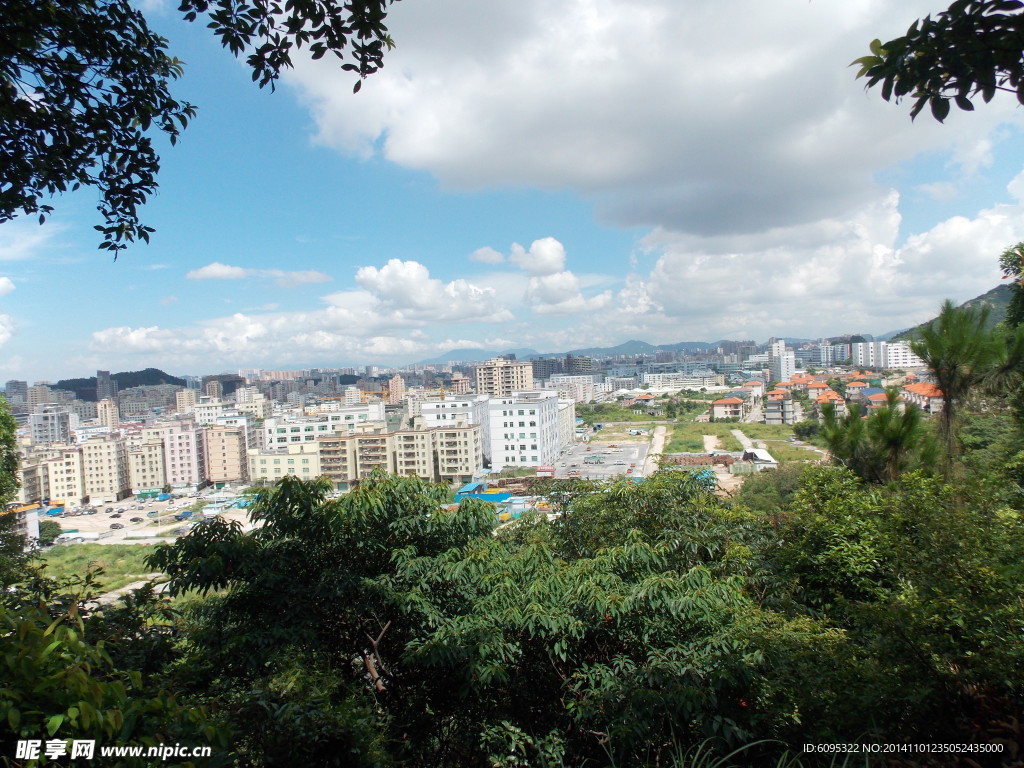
pixel 689 438
pixel 122 563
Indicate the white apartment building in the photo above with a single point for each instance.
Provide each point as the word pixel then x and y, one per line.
pixel 898 354
pixel 883 354
pixel 299 459
pixel 347 420
pixel 525 429
pixel 463 410
pixel 500 378
pixel 781 363
pixel 209 409
pixel 51 424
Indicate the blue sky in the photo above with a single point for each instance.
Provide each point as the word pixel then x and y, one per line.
pixel 529 174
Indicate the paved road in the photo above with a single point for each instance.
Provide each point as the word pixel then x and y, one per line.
pixel 745 441
pixel 657 448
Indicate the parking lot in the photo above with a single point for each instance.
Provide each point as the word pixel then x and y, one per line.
pixel 152 519
pixel 602 461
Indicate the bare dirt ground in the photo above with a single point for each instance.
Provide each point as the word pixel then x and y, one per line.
pixel 712 443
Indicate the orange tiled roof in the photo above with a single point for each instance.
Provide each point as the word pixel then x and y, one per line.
pixel 857 384
pixel 878 397
pixel 728 401
pixel 924 389
pixel 817 385
pixel 829 396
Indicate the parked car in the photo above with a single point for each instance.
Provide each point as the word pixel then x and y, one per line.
pixel 109 509
pixel 115 517
pixel 136 520
pixel 116 526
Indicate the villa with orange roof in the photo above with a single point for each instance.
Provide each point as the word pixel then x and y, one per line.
pixel 830 396
pixel 728 408
pixel 925 396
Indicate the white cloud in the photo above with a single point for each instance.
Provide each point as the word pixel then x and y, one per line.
pixel 24 238
pixel 218 271
pixel 166 301
pixel 407 292
pixel 384 316
pixel 545 257
pixel 6 328
pixel 486 255
pixel 6 286
pixel 693 117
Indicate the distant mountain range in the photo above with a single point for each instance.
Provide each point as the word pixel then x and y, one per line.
pixel 998 299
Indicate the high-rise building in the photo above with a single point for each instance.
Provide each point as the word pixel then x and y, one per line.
pixel 52 423
pixel 226 460
pixel 16 391
pixel 781 363
pixel 184 400
pixel 500 378
pixel 396 389
pixel 108 414
pixel 106 387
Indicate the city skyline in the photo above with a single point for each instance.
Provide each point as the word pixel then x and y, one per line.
pixel 526 176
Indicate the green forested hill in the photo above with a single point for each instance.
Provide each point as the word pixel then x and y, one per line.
pixel 85 389
pixel 998 299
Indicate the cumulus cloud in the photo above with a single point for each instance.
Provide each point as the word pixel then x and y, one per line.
pixel 6 286
pixel 218 271
pixel 545 257
pixel 406 290
pixel 486 255
pixel 688 117
pixel 6 328
pixel 383 316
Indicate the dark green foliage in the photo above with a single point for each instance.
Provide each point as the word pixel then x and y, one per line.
pixel 881 447
pixel 975 47
pixel 806 430
pixel 965 357
pixel 1012 264
pixel 85 85
pixel 49 530
pixel 771 491
pixel 925 579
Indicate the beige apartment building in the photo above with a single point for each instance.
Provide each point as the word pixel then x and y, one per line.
pixel 184 400
pixel 500 377
pixel 226 459
pixel 65 477
pixel 108 414
pixel 105 468
pixel 446 454
pixel 146 463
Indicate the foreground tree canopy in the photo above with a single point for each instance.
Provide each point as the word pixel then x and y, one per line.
pixel 85 87
pixel 975 47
